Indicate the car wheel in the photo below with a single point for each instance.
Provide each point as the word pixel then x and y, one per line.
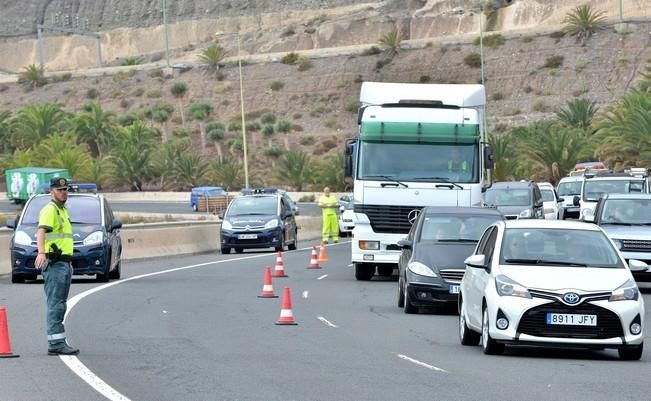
pixel 364 271
pixel 17 279
pixel 195 208
pixel 117 272
pixel 401 294
pixel 102 277
pixel 466 335
pixel 281 246
pixel 239 250
pixel 632 353
pixel 409 307
pixel 293 245
pixel 226 251
pixel 488 345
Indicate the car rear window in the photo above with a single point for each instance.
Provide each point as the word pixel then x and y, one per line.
pixel 82 210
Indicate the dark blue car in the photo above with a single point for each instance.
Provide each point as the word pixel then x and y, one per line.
pixel 96 233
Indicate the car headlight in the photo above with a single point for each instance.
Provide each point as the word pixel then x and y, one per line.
pixel 626 292
pixel 271 223
pixel 526 213
pixel 95 238
pixel 586 212
pixel 226 225
pixel 618 243
pixel 508 288
pixel 22 238
pixel 421 269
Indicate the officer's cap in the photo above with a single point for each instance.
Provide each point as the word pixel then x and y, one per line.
pixel 58 182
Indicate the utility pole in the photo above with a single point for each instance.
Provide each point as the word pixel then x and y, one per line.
pixel 167 48
pixel 239 63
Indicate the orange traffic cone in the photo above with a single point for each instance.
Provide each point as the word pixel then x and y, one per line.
pixel 314 263
pixel 5 344
pixel 267 288
pixel 279 269
pixel 286 315
pixel 323 255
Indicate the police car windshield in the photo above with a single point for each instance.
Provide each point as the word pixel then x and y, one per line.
pixel 82 210
pixel 253 205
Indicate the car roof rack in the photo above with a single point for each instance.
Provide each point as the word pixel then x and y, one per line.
pixel 259 191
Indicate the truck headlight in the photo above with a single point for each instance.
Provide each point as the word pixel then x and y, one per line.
pixel 95 238
pixel 508 288
pixel 22 238
pixel 421 269
pixel 271 223
pixel 526 213
pixel 626 292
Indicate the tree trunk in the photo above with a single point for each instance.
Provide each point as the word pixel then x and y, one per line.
pixel 203 136
pixel 218 148
pixel 182 115
pixel 286 140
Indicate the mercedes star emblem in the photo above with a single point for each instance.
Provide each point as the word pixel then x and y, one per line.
pixel 413 215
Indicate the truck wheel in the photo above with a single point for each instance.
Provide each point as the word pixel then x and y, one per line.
pixel 385 270
pixel 364 271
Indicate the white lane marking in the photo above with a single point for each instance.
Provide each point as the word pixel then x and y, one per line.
pixel 322 277
pixel 306 294
pixel 86 374
pixel 419 363
pixel 324 320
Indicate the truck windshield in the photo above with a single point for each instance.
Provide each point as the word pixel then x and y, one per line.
pixel 592 190
pixel 426 162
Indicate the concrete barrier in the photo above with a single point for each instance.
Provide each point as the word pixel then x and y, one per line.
pixel 153 240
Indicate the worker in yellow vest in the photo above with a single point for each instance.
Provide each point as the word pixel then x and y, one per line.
pixel 456 164
pixel 328 204
pixel 55 248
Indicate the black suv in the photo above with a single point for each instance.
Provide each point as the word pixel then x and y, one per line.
pixel 96 234
pixel 259 220
pixel 516 199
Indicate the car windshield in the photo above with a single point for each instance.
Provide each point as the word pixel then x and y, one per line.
pixel 547 195
pixel 253 205
pixel 569 188
pixel 507 197
pixel 82 210
pixel 457 227
pixel 592 190
pixel 555 246
pixel 626 211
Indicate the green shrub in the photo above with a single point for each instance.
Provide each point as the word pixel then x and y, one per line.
pixel 31 77
pixel 512 111
pixel 554 62
pixel 273 151
pixel 253 126
pixel 493 40
pixel 381 63
pixel 473 60
pixel 540 106
pixel 131 61
pixel 371 51
pixel 126 119
pixel 156 73
pixel 290 58
pixel 138 92
pixel 307 198
pixel 283 126
pixel 352 106
pixel 153 94
pixel 526 39
pixel 527 89
pixel 424 78
pixel 268 130
pixel 331 123
pixel 497 96
pixel 307 140
pixel 268 118
pixel 180 132
pixel 92 93
pixel 557 34
pixel 234 126
pixel 277 85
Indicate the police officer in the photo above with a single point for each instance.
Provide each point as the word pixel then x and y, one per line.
pixel 55 246
pixel 455 164
pixel 328 204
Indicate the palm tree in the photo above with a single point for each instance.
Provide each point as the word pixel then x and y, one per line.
pixel 160 113
pixel 211 56
pixel 505 156
pixel 98 171
pixel 189 171
pixel 391 41
pixel 34 123
pixel 227 172
pixel 95 128
pixel 164 157
pixel 294 169
pixel 131 155
pixel 330 172
pixel 60 150
pixel 178 90
pixel 31 77
pixel 577 113
pixel 201 112
pixel 5 131
pixel 583 21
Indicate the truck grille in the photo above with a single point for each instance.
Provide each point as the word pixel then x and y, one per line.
pixel 387 218
pixel 636 244
pixel 534 322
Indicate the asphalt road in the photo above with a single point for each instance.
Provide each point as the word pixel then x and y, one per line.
pixel 306 209
pixel 198 331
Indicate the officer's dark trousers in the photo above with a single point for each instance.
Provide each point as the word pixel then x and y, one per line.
pixel 57 277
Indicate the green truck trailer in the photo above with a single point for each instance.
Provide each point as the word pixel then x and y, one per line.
pixel 26 181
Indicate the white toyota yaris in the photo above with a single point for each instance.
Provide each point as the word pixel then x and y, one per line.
pixel 550 283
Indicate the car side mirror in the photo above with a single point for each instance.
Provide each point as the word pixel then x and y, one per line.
pixel 116 224
pixel 11 223
pixel 405 244
pixel 476 261
pixel 637 265
pixel 560 200
pixel 296 210
pixel 220 215
pixel 576 201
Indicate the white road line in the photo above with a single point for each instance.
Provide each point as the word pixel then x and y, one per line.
pixel 306 294
pixel 419 363
pixel 322 277
pixel 324 320
pixel 86 374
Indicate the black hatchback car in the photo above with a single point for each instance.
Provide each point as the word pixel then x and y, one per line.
pixel 432 260
pixel 259 220
pixel 96 234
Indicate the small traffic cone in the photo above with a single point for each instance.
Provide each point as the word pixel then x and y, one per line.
pixel 267 288
pixel 279 269
pixel 5 344
pixel 314 263
pixel 286 314
pixel 323 255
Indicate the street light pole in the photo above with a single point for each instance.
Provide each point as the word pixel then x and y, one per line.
pixel 167 48
pixel 239 64
pixel 481 61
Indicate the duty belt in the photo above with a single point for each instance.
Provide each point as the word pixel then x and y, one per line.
pixel 58 258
